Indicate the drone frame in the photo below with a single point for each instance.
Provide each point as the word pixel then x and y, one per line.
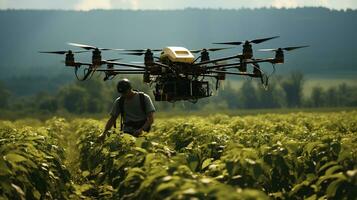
pixel 155 69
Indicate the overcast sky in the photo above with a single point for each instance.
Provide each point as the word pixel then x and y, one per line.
pixel 170 4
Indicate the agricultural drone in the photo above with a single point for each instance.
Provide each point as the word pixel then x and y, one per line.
pixel 177 74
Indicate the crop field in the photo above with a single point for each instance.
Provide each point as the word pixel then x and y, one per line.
pixel 267 156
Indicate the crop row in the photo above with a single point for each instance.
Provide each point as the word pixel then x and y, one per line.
pixel 31 161
pixel 285 156
pixel 281 156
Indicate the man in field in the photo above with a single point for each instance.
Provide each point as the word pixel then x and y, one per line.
pixel 135 108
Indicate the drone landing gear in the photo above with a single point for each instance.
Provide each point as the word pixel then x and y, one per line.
pixel 181 89
pixel 86 73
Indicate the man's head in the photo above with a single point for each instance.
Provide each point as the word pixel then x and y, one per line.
pixel 123 86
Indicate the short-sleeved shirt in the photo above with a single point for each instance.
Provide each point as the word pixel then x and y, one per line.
pixel 133 109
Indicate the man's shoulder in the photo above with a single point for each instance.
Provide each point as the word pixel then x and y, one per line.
pixel 144 94
pixel 117 100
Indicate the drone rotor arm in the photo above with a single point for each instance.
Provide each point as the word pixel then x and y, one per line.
pixel 125 64
pixel 111 60
pixel 123 72
pixel 120 70
pixel 231 73
pixel 82 63
pixel 224 65
pixel 162 65
pixel 234 65
pixel 268 60
pixel 217 60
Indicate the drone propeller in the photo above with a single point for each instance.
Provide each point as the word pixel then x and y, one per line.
pixel 112 60
pixel 143 50
pixel 137 62
pixel 137 53
pixel 89 47
pixel 61 52
pixel 134 53
pixel 256 41
pixel 284 49
pixel 210 49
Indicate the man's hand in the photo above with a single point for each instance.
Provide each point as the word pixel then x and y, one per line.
pixel 101 137
pixel 108 125
pixel 138 132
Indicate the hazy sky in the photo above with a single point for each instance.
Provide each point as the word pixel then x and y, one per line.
pixel 170 4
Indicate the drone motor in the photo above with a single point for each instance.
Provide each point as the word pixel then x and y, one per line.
pixel 247 50
pixel 96 57
pixel 149 58
pixel 279 56
pixel 204 55
pixel 69 59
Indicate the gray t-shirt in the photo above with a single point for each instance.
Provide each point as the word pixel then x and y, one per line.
pixel 133 110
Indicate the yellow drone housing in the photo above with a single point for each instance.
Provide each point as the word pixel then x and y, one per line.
pixel 177 54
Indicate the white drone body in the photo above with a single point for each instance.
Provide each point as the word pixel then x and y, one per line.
pixel 177 54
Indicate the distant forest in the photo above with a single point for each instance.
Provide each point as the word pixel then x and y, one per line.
pixel 331 35
pixel 97 97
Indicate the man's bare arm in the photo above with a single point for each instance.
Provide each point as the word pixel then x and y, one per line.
pixel 110 124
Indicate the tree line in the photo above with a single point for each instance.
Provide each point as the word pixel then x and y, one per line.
pixel 287 92
pixel 96 96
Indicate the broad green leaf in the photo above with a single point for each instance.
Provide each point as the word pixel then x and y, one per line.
pixel 166 186
pixel 190 191
pixel 312 197
pixel 297 187
pixel 12 157
pixel 36 194
pixel 192 162
pixel 333 187
pixel 206 163
pixel 327 165
pixel 333 169
pixel 140 150
pixel 19 191
pixel 85 173
pixel 340 176
pixel 4 169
